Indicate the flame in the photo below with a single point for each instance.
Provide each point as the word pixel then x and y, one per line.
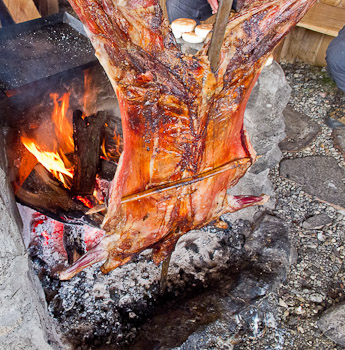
pixel 52 161
pixel 108 155
pixel 88 95
pixel 63 126
pixel 55 160
pixel 97 194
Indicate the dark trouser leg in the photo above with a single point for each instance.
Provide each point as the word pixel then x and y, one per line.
pixel 199 10
pixel 335 57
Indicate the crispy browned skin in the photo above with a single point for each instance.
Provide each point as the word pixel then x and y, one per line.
pixel 184 142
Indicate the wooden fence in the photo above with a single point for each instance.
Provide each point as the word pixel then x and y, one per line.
pixel 309 40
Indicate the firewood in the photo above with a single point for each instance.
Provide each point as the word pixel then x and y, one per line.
pixel 43 193
pixel 87 143
pixel 73 242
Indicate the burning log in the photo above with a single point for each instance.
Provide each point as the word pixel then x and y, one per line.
pixel 43 193
pixel 87 145
pixel 184 141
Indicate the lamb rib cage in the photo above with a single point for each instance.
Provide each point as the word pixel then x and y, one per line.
pixel 180 120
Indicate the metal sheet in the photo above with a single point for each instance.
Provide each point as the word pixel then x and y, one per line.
pixel 41 48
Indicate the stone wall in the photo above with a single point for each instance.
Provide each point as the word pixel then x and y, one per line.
pixel 24 321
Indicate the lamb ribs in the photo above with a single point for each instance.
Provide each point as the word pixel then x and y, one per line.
pixel 184 143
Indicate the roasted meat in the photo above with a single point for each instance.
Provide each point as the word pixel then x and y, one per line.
pixel 184 140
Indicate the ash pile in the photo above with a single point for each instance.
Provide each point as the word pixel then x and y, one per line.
pixel 221 281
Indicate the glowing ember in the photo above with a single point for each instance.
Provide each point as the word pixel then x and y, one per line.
pixel 85 201
pixel 45 235
pixel 52 161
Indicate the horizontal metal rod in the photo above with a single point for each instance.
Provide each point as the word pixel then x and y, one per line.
pixel 188 181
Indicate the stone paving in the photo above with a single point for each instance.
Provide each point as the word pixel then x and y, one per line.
pixel 310 192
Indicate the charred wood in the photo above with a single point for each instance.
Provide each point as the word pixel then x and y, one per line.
pixel 112 139
pixel 87 143
pixel 43 193
pixel 73 243
pixel 107 169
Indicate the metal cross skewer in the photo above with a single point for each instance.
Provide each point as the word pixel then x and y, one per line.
pixel 164 274
pixel 219 28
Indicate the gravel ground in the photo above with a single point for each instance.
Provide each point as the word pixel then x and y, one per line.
pixel 316 281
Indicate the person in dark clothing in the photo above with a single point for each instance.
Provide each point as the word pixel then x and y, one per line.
pixel 335 58
pixel 199 10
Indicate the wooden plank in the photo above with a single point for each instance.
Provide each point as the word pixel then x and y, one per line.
pixel 331 2
pixel 324 19
pixel 320 59
pixel 48 7
pixel 87 145
pixel 313 50
pixel 285 48
pixel 292 46
pixel 5 18
pixel 21 10
pixel 310 48
pixel 278 50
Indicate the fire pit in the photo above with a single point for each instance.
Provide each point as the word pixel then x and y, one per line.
pixel 60 159
pixel 211 272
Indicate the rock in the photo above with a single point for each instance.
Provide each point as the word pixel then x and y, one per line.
pixel 24 320
pixel 317 222
pixel 269 245
pixel 319 176
pixel 263 118
pixel 332 324
pixel 321 237
pixel 283 304
pixel 338 135
pixel 300 131
pixel 316 298
pixel 264 122
pixel 336 117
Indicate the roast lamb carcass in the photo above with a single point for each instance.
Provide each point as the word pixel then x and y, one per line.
pixel 184 144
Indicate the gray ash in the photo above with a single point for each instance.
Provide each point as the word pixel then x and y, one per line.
pixel 98 311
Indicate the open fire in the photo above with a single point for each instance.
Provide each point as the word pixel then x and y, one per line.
pixel 43 157
pixel 58 158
